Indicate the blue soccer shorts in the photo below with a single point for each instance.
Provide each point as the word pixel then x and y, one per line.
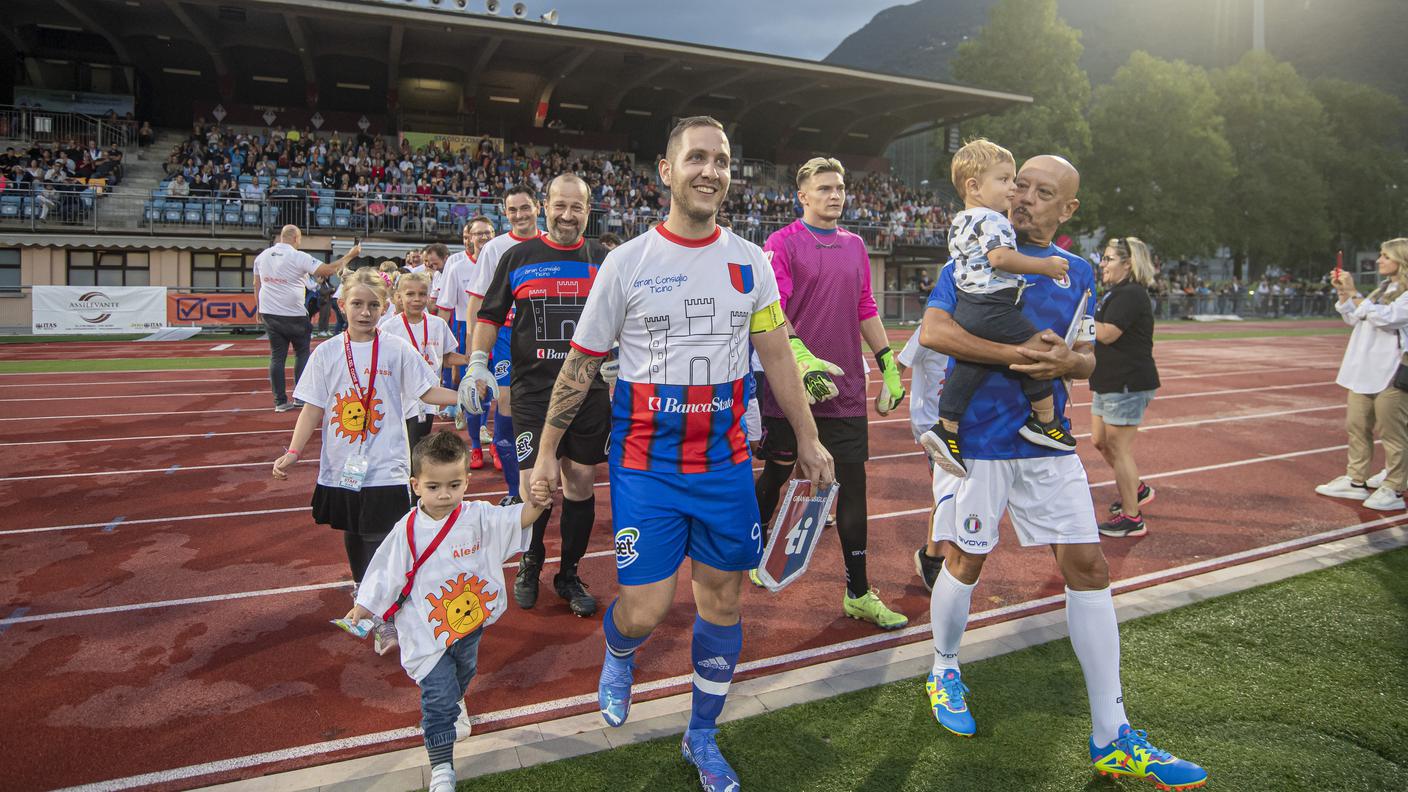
pixel 661 517
pixel 502 356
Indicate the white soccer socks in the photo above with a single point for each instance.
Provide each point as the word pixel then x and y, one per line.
pixel 1095 636
pixel 948 618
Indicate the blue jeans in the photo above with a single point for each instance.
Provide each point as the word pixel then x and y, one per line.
pixel 443 689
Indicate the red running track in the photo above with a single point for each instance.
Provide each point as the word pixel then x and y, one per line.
pixel 176 642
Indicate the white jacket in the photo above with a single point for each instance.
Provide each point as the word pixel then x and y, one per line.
pixel 458 589
pixel 1375 347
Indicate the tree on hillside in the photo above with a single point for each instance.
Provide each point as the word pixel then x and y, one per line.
pixel 1025 48
pixel 1365 164
pixel 1275 211
pixel 1159 161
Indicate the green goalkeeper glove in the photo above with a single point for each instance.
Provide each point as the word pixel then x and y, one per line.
pixel 892 391
pixel 816 373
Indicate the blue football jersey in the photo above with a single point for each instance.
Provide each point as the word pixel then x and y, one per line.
pixel 988 429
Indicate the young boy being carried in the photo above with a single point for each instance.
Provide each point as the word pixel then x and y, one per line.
pixel 439 577
pixel 988 270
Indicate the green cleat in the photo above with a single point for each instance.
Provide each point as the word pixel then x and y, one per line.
pixel 870 608
pixel 754 579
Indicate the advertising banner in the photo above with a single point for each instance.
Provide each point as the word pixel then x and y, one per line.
pixel 211 310
pixel 98 310
pixel 451 143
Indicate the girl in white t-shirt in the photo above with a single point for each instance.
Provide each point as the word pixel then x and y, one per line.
pixel 367 384
pixel 428 334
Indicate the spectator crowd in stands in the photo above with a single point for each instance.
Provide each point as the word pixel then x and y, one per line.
pixel 53 176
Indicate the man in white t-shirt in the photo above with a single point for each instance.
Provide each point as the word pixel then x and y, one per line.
pixel 280 275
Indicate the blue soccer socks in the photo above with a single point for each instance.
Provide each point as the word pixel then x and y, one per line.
pixel 613 690
pixel 507 450
pixel 714 654
pixel 1131 755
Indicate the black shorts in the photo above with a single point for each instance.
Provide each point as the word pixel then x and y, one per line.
pixel 848 439
pixel 371 513
pixel 585 441
pixel 996 317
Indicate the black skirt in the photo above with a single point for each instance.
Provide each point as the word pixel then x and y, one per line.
pixel 371 513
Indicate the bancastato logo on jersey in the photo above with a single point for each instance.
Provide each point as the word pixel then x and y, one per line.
pixel 672 405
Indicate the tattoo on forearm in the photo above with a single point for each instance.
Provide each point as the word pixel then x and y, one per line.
pixel 570 390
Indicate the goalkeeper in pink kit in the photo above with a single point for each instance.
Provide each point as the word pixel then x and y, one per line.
pixel 823 279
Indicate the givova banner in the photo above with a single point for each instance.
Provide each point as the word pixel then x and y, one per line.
pixel 98 310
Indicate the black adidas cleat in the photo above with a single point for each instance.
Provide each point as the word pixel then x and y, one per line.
pixel 525 585
pixel 942 446
pixel 1049 435
pixel 572 589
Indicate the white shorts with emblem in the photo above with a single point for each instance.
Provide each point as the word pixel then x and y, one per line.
pixel 1048 498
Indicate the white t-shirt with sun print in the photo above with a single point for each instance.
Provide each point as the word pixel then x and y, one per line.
pixel 378 429
pixel 431 337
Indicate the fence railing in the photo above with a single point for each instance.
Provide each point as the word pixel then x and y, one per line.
pixel 53 126
pixel 76 208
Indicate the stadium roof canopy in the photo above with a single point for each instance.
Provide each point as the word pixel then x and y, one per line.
pixel 444 68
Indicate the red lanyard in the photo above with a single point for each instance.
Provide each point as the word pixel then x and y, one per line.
pixel 411 540
pixel 424 348
pixel 365 397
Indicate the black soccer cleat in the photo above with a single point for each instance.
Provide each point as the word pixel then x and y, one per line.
pixel 1146 495
pixel 928 568
pixel 510 500
pixel 942 446
pixel 1050 435
pixel 572 589
pixel 1124 525
pixel 525 585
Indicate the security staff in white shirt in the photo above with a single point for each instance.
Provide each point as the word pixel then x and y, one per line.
pixel 280 274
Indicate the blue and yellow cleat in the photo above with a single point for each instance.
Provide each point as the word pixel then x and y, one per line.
pixel 613 690
pixel 701 750
pixel 1131 755
pixel 947 698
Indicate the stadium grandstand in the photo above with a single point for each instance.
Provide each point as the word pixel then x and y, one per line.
pixel 161 143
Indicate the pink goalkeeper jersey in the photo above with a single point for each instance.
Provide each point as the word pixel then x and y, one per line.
pixel 823 277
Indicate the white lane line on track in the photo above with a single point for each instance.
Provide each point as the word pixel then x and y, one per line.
pixel 220 347
pixel 816 653
pixel 600 553
pixel 167 469
pixel 109 396
pixel 205 435
pixel 110 383
pixel 474 495
pixel 112 415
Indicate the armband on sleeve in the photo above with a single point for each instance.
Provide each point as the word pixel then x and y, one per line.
pixel 769 318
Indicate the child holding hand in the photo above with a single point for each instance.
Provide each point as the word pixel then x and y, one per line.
pixel 439 578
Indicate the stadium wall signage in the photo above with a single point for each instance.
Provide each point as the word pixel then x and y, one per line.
pixel 210 310
pixel 105 309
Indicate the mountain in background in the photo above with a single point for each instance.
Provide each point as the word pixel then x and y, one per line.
pixel 1357 40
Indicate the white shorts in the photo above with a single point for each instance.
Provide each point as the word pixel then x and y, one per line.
pixel 753 422
pixel 1047 497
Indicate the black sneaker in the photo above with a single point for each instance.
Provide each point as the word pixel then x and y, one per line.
pixel 525 585
pixel 928 568
pixel 1050 435
pixel 1146 495
pixel 510 500
pixel 572 589
pixel 942 446
pixel 1124 525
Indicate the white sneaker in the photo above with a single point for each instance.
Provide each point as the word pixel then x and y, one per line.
pixel 1377 480
pixel 1385 499
pixel 1344 487
pixel 463 727
pixel 459 418
pixel 486 435
pixel 442 778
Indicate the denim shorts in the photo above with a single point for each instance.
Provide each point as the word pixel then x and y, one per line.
pixel 1121 409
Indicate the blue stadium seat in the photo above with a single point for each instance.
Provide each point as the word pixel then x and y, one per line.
pixel 231 214
pixel 323 218
pixel 194 213
pixel 172 212
pixel 342 218
pixel 10 206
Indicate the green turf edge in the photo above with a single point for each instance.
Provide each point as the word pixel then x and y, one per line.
pixel 1298 685
pixel 121 337
pixel 131 364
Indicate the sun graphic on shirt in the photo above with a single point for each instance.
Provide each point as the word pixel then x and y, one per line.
pixel 352 420
pixel 460 607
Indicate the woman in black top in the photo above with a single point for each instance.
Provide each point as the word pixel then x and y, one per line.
pixel 1125 377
